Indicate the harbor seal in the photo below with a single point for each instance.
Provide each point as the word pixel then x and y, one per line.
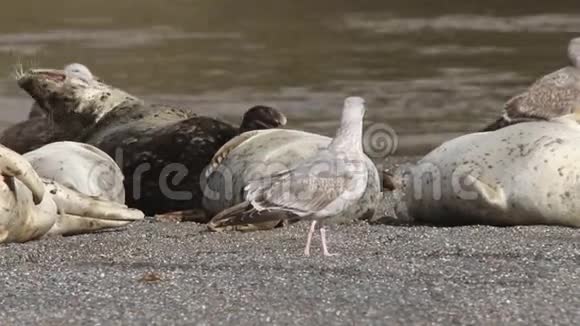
pixel 33 133
pixel 31 207
pixel 39 129
pixel 80 167
pixel 554 95
pixel 333 180
pixel 522 174
pixel 160 149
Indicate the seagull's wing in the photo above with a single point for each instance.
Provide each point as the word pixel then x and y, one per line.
pixel 310 187
pixel 554 95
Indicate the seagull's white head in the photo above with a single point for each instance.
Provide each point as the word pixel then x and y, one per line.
pixel 79 70
pixel 349 134
pixel 354 109
pixel 574 51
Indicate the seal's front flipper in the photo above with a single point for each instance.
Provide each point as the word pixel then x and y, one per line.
pixel 14 165
pixel 491 196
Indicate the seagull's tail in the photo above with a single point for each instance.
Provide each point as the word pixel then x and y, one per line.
pixel 189 215
pixel 497 124
pixel 244 217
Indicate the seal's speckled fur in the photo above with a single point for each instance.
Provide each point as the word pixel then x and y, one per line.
pixel 161 150
pixel 522 174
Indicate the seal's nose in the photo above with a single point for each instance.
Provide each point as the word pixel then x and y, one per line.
pixel 23 78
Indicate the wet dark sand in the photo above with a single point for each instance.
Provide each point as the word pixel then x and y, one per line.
pixel 164 274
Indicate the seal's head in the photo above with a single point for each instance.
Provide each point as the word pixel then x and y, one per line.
pixel 74 69
pixel 262 117
pixel 69 96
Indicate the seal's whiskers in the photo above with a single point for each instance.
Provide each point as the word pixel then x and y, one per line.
pixel 17 71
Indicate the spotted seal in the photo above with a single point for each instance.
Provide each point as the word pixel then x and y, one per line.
pixel 39 129
pixel 160 149
pixel 522 174
pixel 554 95
pixel 80 167
pixel 32 207
pixel 261 154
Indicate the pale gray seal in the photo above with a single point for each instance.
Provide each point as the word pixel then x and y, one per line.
pixel 554 95
pixel 328 177
pixel 31 207
pixel 80 167
pixel 160 149
pixel 522 174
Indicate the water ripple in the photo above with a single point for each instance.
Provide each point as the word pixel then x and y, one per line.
pixel 387 24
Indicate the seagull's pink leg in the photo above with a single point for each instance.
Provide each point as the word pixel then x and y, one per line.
pixel 309 239
pixel 324 247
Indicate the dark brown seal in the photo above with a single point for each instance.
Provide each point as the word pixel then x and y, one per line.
pixel 162 150
pixel 33 133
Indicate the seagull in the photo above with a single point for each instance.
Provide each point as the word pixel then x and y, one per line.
pixel 79 70
pixel 323 185
pixel 552 96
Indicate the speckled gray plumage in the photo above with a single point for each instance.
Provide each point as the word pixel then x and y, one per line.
pixel 554 95
pixel 268 152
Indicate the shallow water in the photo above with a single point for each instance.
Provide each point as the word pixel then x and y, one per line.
pixel 431 70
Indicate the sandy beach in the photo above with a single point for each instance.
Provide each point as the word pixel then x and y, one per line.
pixel 180 274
